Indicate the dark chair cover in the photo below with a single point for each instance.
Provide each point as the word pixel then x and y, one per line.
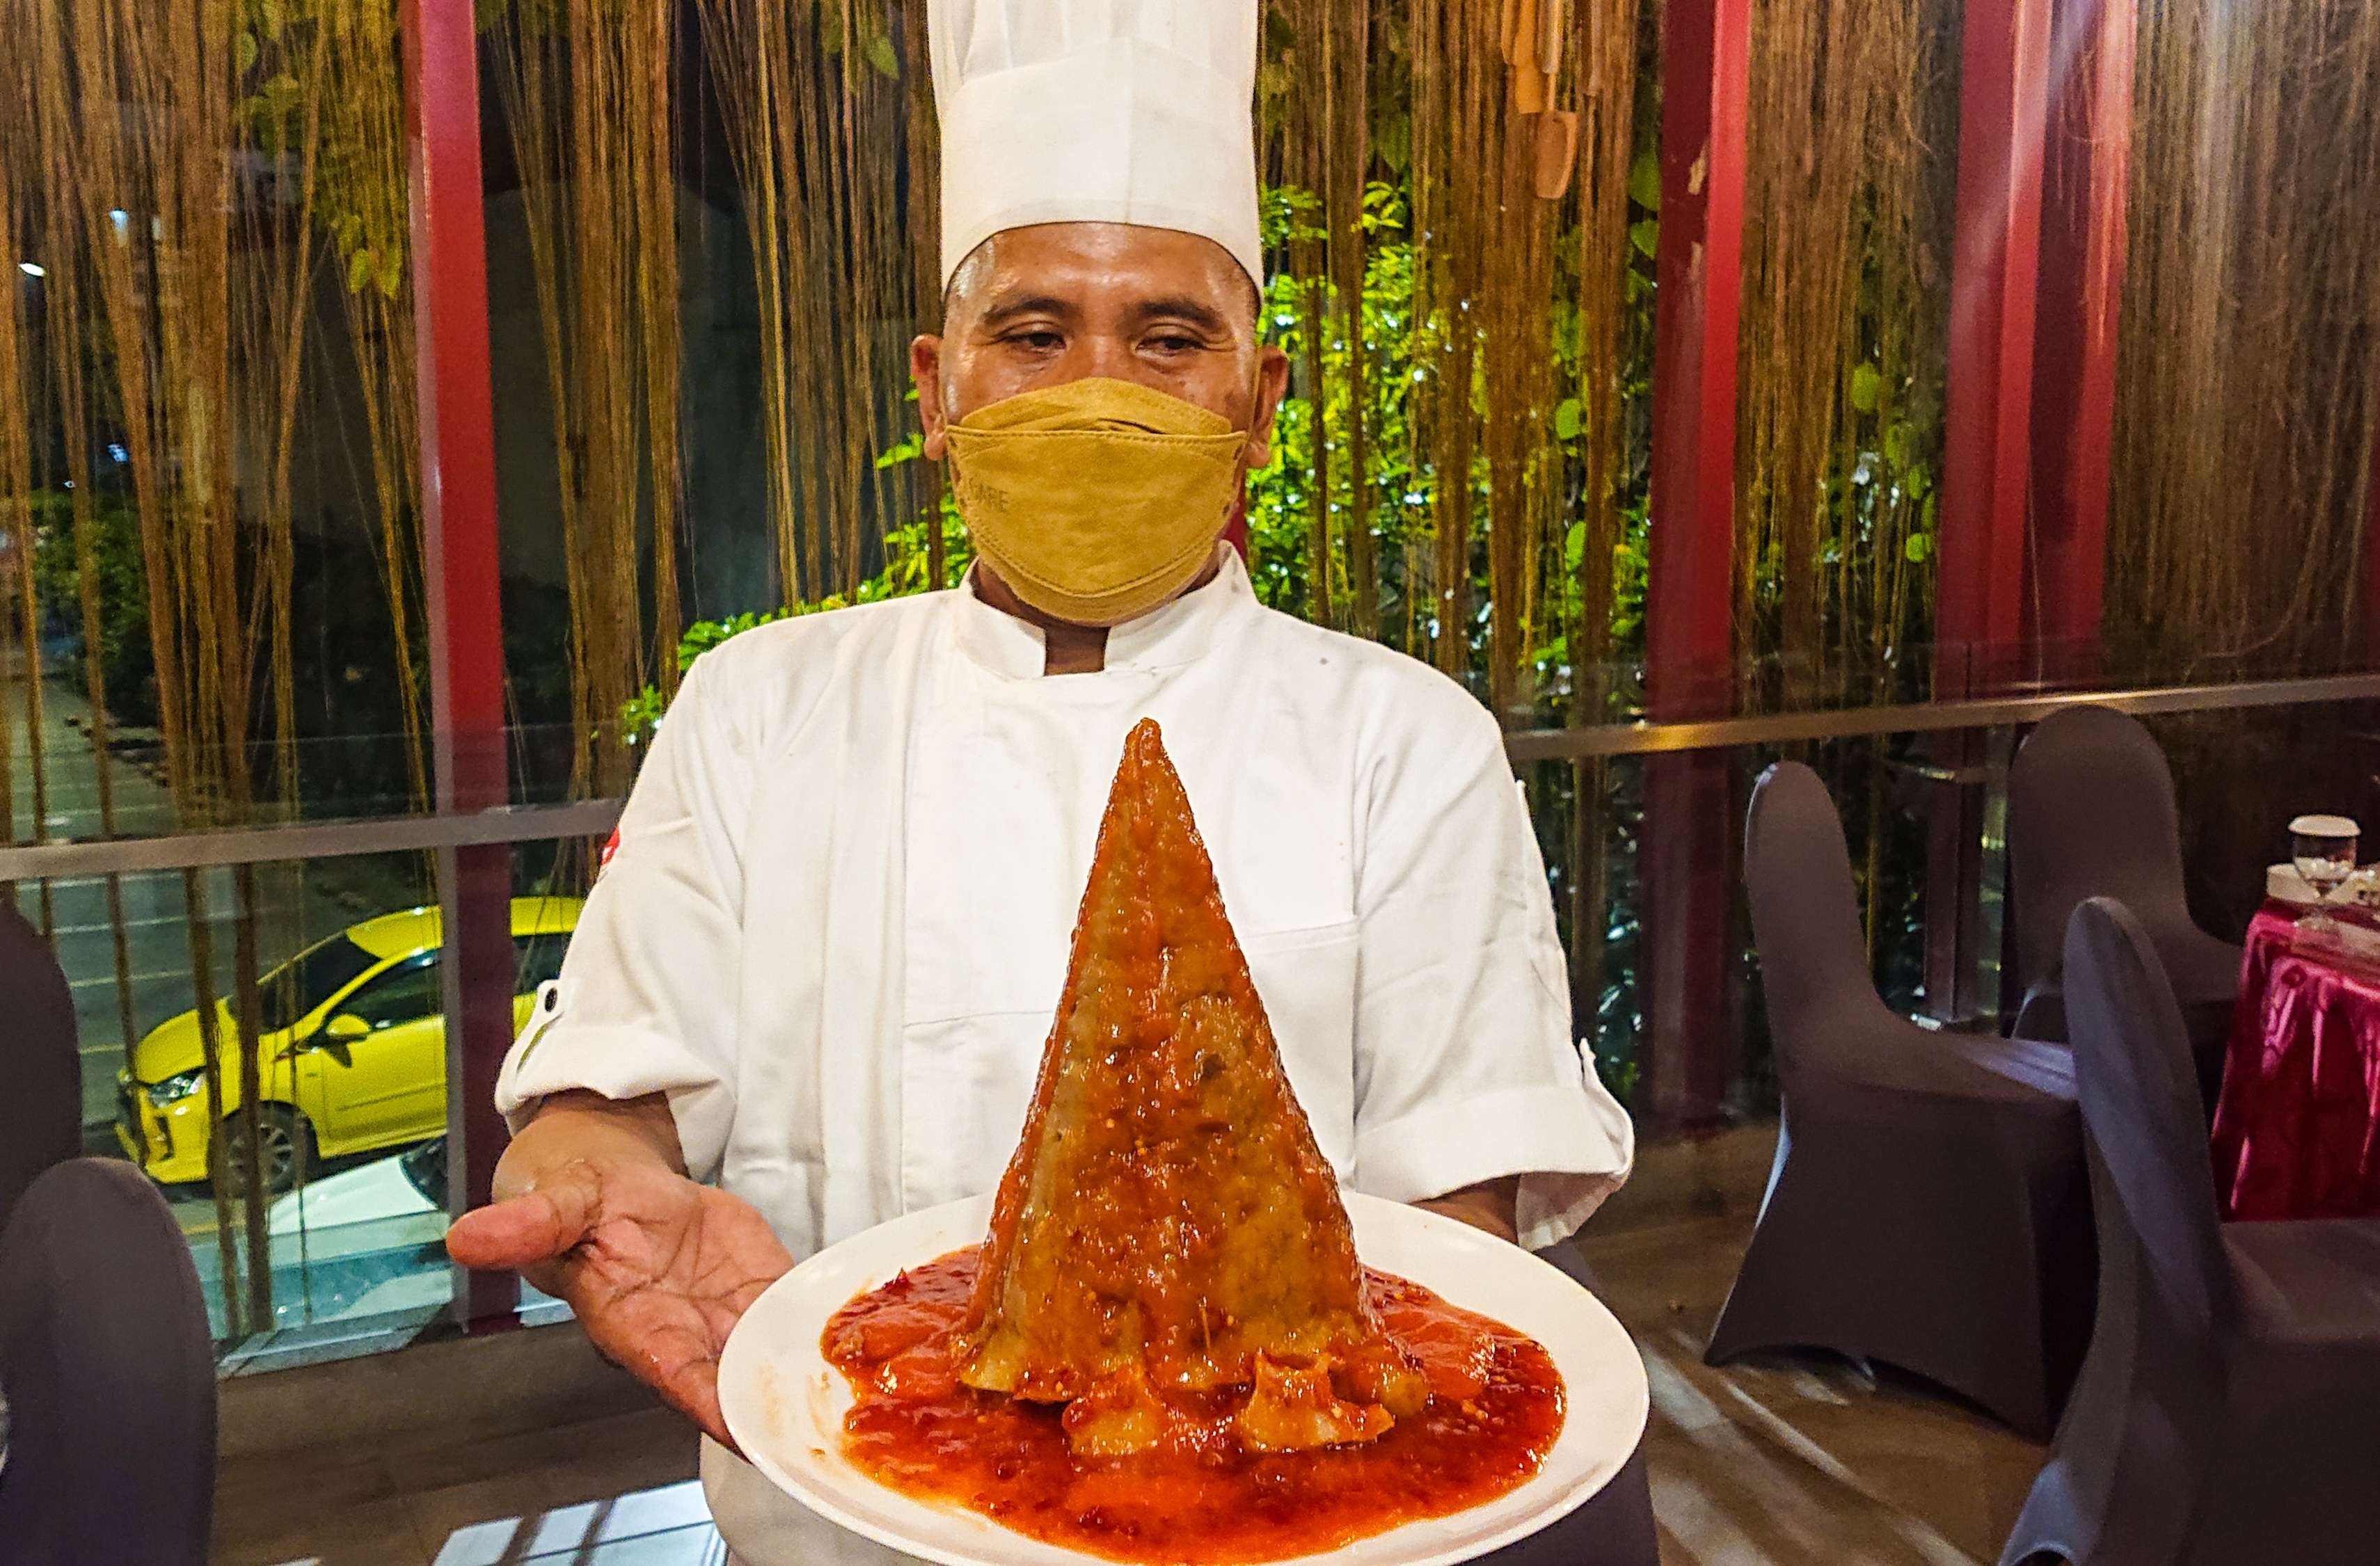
pixel 2091 814
pixel 40 1111
pixel 110 1377
pixel 2224 1412
pixel 1928 1206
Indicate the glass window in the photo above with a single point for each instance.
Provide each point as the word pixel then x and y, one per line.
pixel 537 959
pixel 424 1169
pixel 407 993
pixel 304 982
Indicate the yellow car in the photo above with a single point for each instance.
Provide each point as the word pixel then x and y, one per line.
pixel 352 1056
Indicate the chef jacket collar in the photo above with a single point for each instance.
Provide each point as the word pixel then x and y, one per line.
pixel 1167 637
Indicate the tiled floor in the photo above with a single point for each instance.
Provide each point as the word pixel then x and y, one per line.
pixel 612 1492
pixel 1799 1463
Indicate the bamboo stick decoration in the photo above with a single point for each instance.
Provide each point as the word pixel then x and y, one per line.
pixel 271 359
pixel 1347 79
pixel 2248 377
pixel 184 223
pixel 743 47
pixel 63 293
pixel 271 303
pixel 1607 150
pixel 1305 135
pixel 591 100
pixel 817 104
pixel 1605 51
pixel 1511 354
pixel 1845 299
pixel 162 298
pixel 364 120
pixel 1456 71
pixel 17 526
pixel 654 69
pixel 924 149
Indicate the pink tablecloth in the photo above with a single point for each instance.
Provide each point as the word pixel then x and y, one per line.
pixel 2296 1132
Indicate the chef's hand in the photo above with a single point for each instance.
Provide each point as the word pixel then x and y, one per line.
pixel 593 1206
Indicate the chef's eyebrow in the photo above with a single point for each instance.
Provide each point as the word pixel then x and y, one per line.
pixel 1000 314
pixel 1182 307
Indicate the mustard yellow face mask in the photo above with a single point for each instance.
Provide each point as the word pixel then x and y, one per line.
pixel 1095 501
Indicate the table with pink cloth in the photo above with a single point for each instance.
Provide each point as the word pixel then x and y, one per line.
pixel 2297 1132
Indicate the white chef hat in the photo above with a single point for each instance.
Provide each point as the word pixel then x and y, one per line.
pixel 1096 111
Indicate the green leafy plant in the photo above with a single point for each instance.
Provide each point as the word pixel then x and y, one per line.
pixel 908 568
pixel 1399 491
pixel 127 669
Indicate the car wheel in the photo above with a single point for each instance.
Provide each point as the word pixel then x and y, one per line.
pixel 285 1145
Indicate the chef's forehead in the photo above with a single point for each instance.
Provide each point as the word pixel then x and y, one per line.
pixel 1068 261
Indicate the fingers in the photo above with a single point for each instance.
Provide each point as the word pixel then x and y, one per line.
pixel 694 1391
pixel 539 1226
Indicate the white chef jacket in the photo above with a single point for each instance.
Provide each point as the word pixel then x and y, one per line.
pixel 836 920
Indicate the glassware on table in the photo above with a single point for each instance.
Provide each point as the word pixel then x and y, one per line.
pixel 2324 850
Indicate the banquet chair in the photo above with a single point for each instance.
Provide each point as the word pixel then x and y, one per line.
pixel 40 1112
pixel 1928 1206
pixel 2223 1415
pixel 2091 814
pixel 108 1374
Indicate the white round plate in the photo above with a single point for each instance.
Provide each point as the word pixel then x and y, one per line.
pixel 784 1403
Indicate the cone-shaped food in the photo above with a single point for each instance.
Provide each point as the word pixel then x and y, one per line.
pixel 1167 1228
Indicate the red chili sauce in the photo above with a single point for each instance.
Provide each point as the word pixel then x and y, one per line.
pixel 1496 1408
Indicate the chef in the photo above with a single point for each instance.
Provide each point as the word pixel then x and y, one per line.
pixel 810 989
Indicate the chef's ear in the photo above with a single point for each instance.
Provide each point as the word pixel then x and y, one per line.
pixel 926 369
pixel 1272 382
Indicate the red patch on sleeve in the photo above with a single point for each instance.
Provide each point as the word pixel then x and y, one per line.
pixel 604 861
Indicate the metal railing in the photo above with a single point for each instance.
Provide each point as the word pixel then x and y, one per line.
pixel 1783 728
pixel 596 817
pixel 314 840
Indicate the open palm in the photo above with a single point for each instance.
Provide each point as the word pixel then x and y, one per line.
pixel 658 1267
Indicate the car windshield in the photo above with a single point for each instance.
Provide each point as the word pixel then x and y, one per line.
pixel 312 976
pixel 424 1169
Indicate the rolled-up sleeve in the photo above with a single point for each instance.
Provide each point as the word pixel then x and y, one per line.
pixel 1466 1070
pixel 647 998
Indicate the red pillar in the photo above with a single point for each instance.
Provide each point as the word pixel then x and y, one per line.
pixel 1987 456
pixel 2372 564
pixel 2086 175
pixel 1689 657
pixel 1986 461
pixel 466 651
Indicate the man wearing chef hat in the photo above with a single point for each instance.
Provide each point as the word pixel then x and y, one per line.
pixel 819 970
